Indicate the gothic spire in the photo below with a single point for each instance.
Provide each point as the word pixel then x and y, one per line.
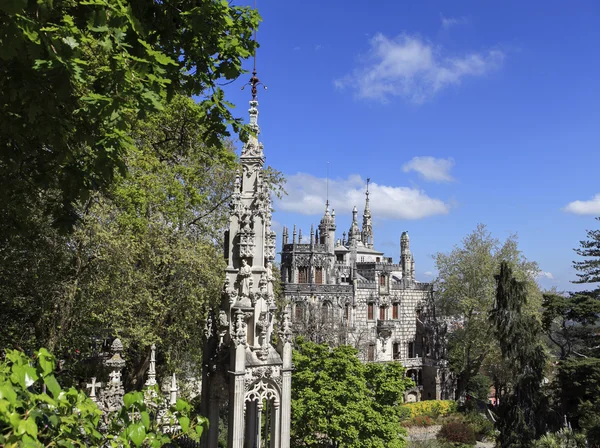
pixel 252 147
pixel 354 232
pixel 367 229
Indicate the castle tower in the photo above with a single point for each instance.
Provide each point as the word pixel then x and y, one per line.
pixel 406 259
pixel 367 229
pixel 327 229
pixel 241 365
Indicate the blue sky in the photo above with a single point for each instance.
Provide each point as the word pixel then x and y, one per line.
pixel 460 113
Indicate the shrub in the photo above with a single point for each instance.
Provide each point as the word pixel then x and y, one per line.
pixel 432 408
pixel 36 411
pixel 457 433
pixel 422 420
pixel 481 425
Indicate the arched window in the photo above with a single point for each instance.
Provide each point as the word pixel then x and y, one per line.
pixel 326 312
pixel 319 275
pixel 370 307
pixel 299 312
pixel 303 274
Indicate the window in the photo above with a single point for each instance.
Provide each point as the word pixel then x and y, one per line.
pixel 303 274
pixel 347 313
pixel 326 312
pixel 395 308
pixel 381 313
pixel 339 258
pixel 382 280
pixel 371 353
pixel 299 312
pixel 396 350
pixel 411 349
pixel 370 311
pixel 319 276
pixel 377 259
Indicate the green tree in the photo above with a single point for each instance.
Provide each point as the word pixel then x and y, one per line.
pixel 75 78
pixel 572 324
pixel 521 415
pixel 144 262
pixel 465 290
pixel 334 400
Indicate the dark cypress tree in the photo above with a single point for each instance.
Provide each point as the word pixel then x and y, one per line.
pixel 521 416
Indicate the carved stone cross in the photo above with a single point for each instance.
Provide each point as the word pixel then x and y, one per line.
pixel 93 387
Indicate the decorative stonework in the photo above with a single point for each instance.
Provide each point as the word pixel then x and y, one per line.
pixel 239 352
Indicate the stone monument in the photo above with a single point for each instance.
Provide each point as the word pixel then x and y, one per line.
pixel 242 368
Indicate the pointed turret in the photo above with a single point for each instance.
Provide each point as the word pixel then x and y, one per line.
pixel 406 259
pixel 367 229
pixel 354 232
pixel 327 229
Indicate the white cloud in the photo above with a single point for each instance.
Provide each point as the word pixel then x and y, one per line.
pixel 448 22
pixel 413 69
pixel 548 275
pixel 591 207
pixel 307 196
pixel 428 274
pixel 437 170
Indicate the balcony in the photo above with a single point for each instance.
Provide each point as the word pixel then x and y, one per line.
pixel 385 328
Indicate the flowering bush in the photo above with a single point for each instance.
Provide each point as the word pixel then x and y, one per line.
pixel 432 408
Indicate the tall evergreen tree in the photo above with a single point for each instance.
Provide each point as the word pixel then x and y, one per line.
pixel 572 323
pixel 520 416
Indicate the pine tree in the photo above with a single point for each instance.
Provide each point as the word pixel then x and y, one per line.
pixel 520 415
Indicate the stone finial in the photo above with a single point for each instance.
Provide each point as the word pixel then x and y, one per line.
pixel 294 235
pixel 173 391
pixel 285 331
pixel 116 362
pixel 151 381
pixel 300 237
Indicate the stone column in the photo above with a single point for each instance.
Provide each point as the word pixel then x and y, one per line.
pixel 286 406
pixel 258 432
pixel 236 411
pixel 275 425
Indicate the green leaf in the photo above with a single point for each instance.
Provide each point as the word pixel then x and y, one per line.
pixel 27 426
pixel 24 375
pixel 185 423
pixel 7 393
pixel 70 41
pixel 46 361
pixel 145 417
pixel 136 433
pixel 52 385
pixel 180 405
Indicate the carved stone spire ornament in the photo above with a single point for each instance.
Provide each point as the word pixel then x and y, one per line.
pixel 242 368
pixel 367 229
pixel 112 396
pixel 151 381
